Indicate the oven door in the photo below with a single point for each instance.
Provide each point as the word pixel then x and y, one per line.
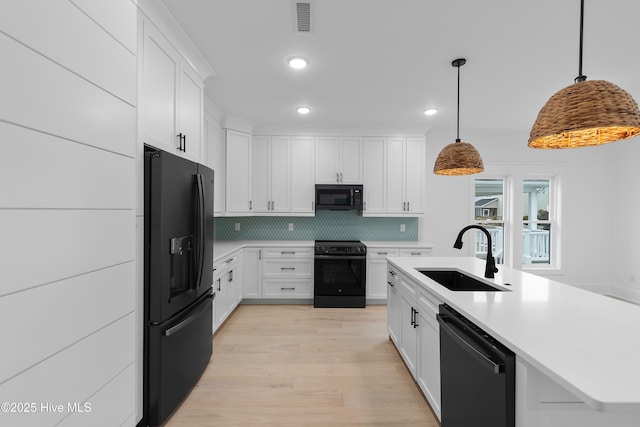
pixel 339 275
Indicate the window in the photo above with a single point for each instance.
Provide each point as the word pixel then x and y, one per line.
pixel 489 208
pixel 537 222
pixel 523 227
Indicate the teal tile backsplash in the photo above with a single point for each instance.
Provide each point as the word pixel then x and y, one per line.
pixel 326 225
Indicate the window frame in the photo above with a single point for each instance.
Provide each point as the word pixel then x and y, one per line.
pixel 513 222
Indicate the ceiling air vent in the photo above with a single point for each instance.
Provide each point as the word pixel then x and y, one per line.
pixel 303 17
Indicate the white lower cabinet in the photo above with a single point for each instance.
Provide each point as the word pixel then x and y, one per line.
pixel 377 272
pixel 278 272
pixel 394 313
pixel 227 285
pixel 287 272
pixel 252 267
pixel 413 328
pixel 377 267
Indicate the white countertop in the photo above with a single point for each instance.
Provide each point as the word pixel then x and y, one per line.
pixel 588 343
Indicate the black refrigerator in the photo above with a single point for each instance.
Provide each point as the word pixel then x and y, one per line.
pixel 178 279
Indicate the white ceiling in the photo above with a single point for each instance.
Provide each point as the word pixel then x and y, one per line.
pixel 379 63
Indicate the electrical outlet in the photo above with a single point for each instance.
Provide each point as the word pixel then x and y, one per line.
pixel 402 228
pixel 290 226
pixel 237 226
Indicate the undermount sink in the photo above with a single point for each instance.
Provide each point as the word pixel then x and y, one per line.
pixel 457 281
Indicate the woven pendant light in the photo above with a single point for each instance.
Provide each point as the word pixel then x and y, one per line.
pixel 458 158
pixel 587 113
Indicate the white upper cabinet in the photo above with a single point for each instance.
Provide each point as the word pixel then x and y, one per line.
pixel 375 176
pixel 405 175
pixel 238 172
pixel 171 94
pixel 282 175
pixel 271 172
pixel 190 112
pixel 213 153
pixel 339 160
pixel 302 175
pixel 394 174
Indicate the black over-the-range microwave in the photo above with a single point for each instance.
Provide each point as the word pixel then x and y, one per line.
pixel 338 197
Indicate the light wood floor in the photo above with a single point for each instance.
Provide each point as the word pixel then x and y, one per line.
pixel 293 365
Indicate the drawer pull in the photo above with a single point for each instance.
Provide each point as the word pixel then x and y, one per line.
pixel 288 252
pixel 392 273
pixel 287 268
pixel 287 289
pixel 383 253
pixel 229 260
pixel 416 253
pixel 390 284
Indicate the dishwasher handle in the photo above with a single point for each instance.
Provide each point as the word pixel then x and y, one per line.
pixel 459 335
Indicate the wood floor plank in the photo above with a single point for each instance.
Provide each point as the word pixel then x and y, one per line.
pixel 293 365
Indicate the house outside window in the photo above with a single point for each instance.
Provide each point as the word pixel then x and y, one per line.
pixel 521 214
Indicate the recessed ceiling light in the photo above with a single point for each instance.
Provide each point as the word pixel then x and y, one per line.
pixel 297 62
pixel 303 110
pixel 430 111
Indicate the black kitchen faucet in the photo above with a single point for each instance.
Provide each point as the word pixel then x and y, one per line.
pixel 490 267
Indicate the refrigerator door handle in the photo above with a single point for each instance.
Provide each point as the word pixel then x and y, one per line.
pixel 174 329
pixel 200 223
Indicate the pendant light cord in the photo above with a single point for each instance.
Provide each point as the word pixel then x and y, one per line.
pixel 458 109
pixel 581 77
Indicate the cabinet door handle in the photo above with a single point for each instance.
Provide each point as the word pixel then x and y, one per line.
pixel 415 318
pixel 392 273
pixel 273 205
pixel 250 205
pixel 390 284
pixel 412 321
pixel 337 177
pixel 408 206
pixel 219 283
pixel 230 276
pixel 180 142
pixel 260 254
pixel 341 177
pixel 365 206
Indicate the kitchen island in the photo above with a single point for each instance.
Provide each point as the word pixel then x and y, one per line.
pixel 577 352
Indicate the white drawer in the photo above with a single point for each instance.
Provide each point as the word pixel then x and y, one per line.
pixel 287 288
pixel 429 305
pixel 407 286
pixel 226 262
pixel 415 252
pixel 393 277
pixel 287 268
pixel 288 253
pixel 373 253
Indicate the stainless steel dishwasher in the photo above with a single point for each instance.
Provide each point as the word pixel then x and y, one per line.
pixel 477 375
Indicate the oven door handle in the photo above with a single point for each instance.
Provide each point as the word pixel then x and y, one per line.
pixel 340 257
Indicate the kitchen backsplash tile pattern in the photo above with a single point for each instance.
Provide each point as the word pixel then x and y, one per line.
pixel 326 225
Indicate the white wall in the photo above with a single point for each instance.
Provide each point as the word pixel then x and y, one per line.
pixel 587 181
pixel 625 220
pixel 67 218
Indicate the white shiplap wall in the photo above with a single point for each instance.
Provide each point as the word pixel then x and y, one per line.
pixel 67 211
